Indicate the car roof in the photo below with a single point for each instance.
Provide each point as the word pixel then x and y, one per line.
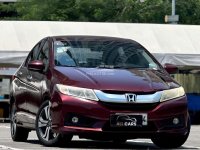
pixel 91 38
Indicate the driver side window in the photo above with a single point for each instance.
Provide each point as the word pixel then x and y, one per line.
pixel 33 54
pixel 36 52
pixel 44 55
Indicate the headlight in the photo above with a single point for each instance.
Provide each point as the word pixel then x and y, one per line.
pixel 77 92
pixel 172 93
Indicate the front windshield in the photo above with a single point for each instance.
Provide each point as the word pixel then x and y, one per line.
pixel 102 54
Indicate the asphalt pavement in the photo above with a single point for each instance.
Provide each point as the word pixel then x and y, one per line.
pixel 6 142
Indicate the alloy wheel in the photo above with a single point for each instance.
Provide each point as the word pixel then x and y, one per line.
pixel 45 125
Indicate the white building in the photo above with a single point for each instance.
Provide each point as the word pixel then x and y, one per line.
pixel 177 44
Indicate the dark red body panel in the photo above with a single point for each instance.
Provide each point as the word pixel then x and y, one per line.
pixel 158 115
pixel 132 80
pixel 31 88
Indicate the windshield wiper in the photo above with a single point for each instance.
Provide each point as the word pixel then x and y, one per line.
pixel 66 66
pixel 129 66
pixel 106 66
pixel 118 66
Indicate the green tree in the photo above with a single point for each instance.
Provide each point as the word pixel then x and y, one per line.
pixel 45 9
pixel 150 11
pixel 7 11
pixel 93 10
pixel 189 11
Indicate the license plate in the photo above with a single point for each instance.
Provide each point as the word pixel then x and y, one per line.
pixel 128 120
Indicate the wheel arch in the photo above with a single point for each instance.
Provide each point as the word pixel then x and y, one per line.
pixel 46 96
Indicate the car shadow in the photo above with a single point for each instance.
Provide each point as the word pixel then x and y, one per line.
pixel 110 145
pixel 88 144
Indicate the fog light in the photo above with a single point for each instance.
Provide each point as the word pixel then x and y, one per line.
pixel 74 119
pixel 175 121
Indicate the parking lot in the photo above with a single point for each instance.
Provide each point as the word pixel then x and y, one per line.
pixel 33 143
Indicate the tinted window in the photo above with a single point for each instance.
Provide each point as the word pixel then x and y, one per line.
pixel 33 54
pixel 44 54
pixel 109 54
pixel 35 51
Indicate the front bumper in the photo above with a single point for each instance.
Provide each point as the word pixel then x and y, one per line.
pixel 94 117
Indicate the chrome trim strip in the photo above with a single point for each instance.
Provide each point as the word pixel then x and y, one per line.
pixel 121 98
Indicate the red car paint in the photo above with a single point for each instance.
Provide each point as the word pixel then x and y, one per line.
pixel 31 87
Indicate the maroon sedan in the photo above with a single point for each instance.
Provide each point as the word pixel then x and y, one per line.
pixel 100 88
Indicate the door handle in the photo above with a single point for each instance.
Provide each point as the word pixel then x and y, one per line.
pixel 29 77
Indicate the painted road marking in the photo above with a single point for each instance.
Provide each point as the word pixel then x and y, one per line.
pixel 3 147
pixel 4 126
pixel 190 147
pixel 149 142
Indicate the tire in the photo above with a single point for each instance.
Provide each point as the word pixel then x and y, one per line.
pixel 171 141
pixel 18 134
pixel 44 130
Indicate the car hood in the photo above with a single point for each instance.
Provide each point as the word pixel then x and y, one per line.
pixel 137 80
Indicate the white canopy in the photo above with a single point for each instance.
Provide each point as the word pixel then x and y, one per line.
pixel 177 44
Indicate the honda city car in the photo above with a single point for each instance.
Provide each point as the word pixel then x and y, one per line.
pixel 99 88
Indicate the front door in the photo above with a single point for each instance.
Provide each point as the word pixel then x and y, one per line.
pixel 37 80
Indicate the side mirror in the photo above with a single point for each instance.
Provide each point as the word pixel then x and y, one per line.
pixel 36 65
pixel 170 68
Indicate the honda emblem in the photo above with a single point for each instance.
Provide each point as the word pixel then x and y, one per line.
pixel 130 97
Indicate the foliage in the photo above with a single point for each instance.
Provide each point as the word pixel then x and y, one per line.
pixel 189 11
pixel 94 10
pixel 149 11
pixel 7 10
